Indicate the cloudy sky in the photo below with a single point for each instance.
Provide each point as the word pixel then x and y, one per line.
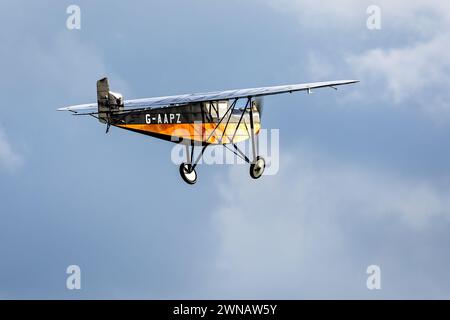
pixel 364 174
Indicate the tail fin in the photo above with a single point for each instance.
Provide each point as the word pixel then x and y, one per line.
pixel 107 101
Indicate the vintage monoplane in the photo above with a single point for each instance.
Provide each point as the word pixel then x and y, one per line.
pixel 202 119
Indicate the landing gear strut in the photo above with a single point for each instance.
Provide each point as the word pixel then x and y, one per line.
pixel 259 164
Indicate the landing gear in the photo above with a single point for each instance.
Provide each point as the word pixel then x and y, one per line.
pixel 257 165
pixel 257 168
pixel 187 170
pixel 188 173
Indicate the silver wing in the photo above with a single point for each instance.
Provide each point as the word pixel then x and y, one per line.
pixel 215 96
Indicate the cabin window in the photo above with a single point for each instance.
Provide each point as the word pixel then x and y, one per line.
pixel 216 109
pixel 223 107
pixel 211 109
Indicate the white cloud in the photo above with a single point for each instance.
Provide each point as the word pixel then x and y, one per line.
pixel 9 159
pixel 346 14
pixel 311 231
pixel 409 66
pixel 416 74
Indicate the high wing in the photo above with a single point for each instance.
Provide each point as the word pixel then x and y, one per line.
pixel 215 96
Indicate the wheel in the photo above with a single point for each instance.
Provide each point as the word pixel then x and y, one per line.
pixel 257 168
pixel 189 176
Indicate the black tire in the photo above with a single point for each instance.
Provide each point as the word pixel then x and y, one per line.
pixel 257 168
pixel 190 177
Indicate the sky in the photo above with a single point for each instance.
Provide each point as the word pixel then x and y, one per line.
pixel 364 172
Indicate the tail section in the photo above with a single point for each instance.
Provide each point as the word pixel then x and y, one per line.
pixel 107 101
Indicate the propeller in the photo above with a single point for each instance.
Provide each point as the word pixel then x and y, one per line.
pixel 259 103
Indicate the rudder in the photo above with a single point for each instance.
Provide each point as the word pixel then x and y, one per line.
pixel 107 101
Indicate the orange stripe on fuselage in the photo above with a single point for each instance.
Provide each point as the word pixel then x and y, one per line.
pixel 197 131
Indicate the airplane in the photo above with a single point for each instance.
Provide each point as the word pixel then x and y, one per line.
pixel 201 119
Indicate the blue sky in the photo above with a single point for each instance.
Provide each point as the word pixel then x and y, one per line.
pixel 364 175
